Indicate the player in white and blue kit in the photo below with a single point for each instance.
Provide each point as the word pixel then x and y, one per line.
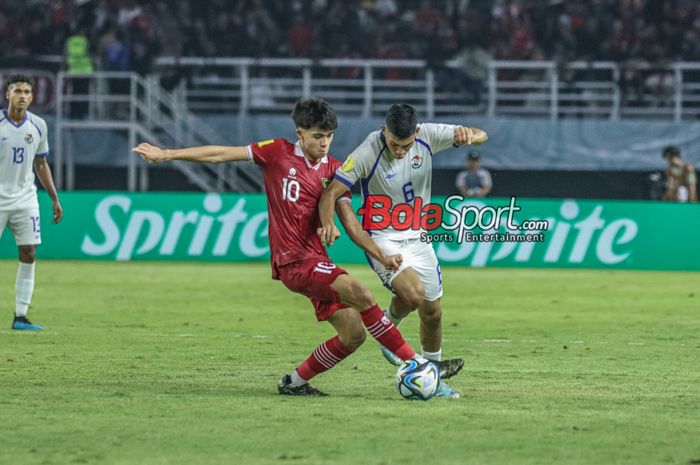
pixel 397 162
pixel 23 150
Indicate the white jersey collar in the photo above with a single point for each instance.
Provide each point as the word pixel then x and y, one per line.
pixel 300 153
pixel 7 117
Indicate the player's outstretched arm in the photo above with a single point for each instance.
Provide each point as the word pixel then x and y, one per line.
pixel 470 136
pixel 43 172
pixel 203 154
pixel 360 237
pixel 326 210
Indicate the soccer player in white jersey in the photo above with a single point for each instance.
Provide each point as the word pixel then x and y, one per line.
pixel 23 150
pixel 396 161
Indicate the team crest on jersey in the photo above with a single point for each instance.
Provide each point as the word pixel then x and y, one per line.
pixel 325 182
pixel 29 138
pixel 292 172
pixel 349 163
pixel 416 161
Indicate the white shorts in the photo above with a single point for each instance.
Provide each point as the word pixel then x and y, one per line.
pixel 416 254
pixel 23 223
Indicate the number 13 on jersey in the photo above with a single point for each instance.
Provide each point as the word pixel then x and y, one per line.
pixel 17 155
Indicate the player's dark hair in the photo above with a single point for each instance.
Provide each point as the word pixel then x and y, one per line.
pixel 671 151
pixel 401 120
pixel 15 78
pixel 314 112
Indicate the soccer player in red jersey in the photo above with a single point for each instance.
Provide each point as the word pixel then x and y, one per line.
pixel 295 176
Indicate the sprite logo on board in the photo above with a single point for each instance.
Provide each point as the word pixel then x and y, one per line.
pixel 207 232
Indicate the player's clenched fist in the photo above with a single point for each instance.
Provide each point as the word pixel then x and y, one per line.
pixel 391 262
pixel 150 153
pixel 469 136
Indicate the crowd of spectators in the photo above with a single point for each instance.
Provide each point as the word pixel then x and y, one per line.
pixel 618 30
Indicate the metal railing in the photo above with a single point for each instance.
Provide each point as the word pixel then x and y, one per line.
pixel 145 111
pixel 512 88
pixel 140 107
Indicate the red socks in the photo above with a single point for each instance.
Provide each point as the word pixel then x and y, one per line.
pixel 332 352
pixel 325 357
pixel 386 333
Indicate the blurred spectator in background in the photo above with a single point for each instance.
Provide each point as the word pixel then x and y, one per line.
pixel 681 181
pixel 77 60
pixel 300 37
pixel 115 51
pixel 616 30
pixel 474 181
pixel 117 56
pixel 473 61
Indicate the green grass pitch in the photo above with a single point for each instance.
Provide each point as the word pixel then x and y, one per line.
pixel 176 363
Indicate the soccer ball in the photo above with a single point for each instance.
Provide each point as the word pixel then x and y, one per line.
pixel 417 380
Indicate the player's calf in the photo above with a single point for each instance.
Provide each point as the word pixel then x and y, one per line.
pixel 386 333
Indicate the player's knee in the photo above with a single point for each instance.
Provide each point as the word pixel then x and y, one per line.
pixel 431 315
pixel 27 254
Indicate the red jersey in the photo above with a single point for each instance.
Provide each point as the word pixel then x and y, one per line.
pixel 294 186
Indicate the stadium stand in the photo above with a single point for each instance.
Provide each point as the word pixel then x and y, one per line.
pixel 508 30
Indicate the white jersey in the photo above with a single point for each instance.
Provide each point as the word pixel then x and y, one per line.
pixel 403 180
pixel 19 145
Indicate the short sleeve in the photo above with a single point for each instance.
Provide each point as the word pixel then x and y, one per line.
pixel 360 162
pixel 43 149
pixel 439 136
pixel 259 153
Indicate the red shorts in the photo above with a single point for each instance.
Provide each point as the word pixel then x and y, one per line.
pixel 313 277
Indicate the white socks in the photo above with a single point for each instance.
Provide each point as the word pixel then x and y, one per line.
pixel 296 379
pixel 24 287
pixel 434 356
